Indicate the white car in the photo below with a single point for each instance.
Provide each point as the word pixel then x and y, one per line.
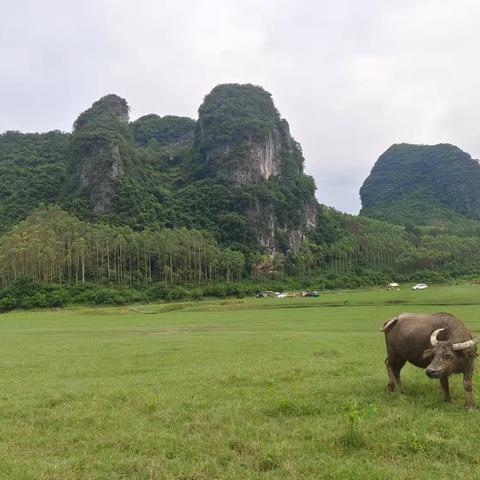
pixel 280 295
pixel 420 286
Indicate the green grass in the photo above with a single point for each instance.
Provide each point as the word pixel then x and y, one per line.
pixel 238 389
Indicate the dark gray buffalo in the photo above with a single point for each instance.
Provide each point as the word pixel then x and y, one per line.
pixel 440 343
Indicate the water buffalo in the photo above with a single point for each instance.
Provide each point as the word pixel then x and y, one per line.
pixel 440 343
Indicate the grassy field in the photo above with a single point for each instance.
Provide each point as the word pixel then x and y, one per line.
pixel 238 389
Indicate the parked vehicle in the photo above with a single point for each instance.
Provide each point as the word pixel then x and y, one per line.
pixel 265 294
pixel 314 293
pixel 420 286
pixel 280 295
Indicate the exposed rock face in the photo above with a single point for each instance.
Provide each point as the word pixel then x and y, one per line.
pixel 274 235
pixel 261 161
pixel 308 222
pixel 99 154
pixel 264 156
pixel 263 218
pixel 98 176
pixel 242 140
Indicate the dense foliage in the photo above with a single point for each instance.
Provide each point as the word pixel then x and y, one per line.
pixel 163 131
pixel 239 112
pixel 52 246
pixel 355 244
pixel 32 171
pixel 103 111
pixel 421 184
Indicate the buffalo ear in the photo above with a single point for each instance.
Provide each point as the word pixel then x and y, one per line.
pixel 428 353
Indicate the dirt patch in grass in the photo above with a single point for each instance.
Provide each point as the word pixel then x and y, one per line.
pixel 169 307
pixel 167 331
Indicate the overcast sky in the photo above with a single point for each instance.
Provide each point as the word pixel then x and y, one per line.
pixel 351 77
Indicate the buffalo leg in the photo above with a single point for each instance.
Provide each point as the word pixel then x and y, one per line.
pixel 391 377
pixel 467 385
pixel 396 372
pixel 445 388
pixel 393 370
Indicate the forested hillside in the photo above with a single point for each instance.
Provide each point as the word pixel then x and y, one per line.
pixel 32 171
pixel 168 205
pixel 236 172
pixel 421 184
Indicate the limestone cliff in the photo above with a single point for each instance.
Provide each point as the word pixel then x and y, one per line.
pixel 99 155
pixel 242 140
pixel 241 137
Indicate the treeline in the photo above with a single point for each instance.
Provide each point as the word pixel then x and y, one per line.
pixel 53 258
pixel 52 246
pixel 347 244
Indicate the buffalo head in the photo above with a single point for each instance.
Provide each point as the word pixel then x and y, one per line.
pixel 447 357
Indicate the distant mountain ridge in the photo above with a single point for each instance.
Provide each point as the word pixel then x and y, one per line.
pixel 236 172
pixel 422 184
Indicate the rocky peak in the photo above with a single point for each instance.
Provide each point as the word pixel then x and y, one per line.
pixel 99 154
pixel 110 107
pixel 242 141
pixel 422 184
pixel 241 137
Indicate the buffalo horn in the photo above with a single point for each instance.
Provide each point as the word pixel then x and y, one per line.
pixel 433 336
pixel 467 344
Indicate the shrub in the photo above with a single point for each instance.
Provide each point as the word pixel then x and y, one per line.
pixel 8 303
pixel 218 290
pixel 177 293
